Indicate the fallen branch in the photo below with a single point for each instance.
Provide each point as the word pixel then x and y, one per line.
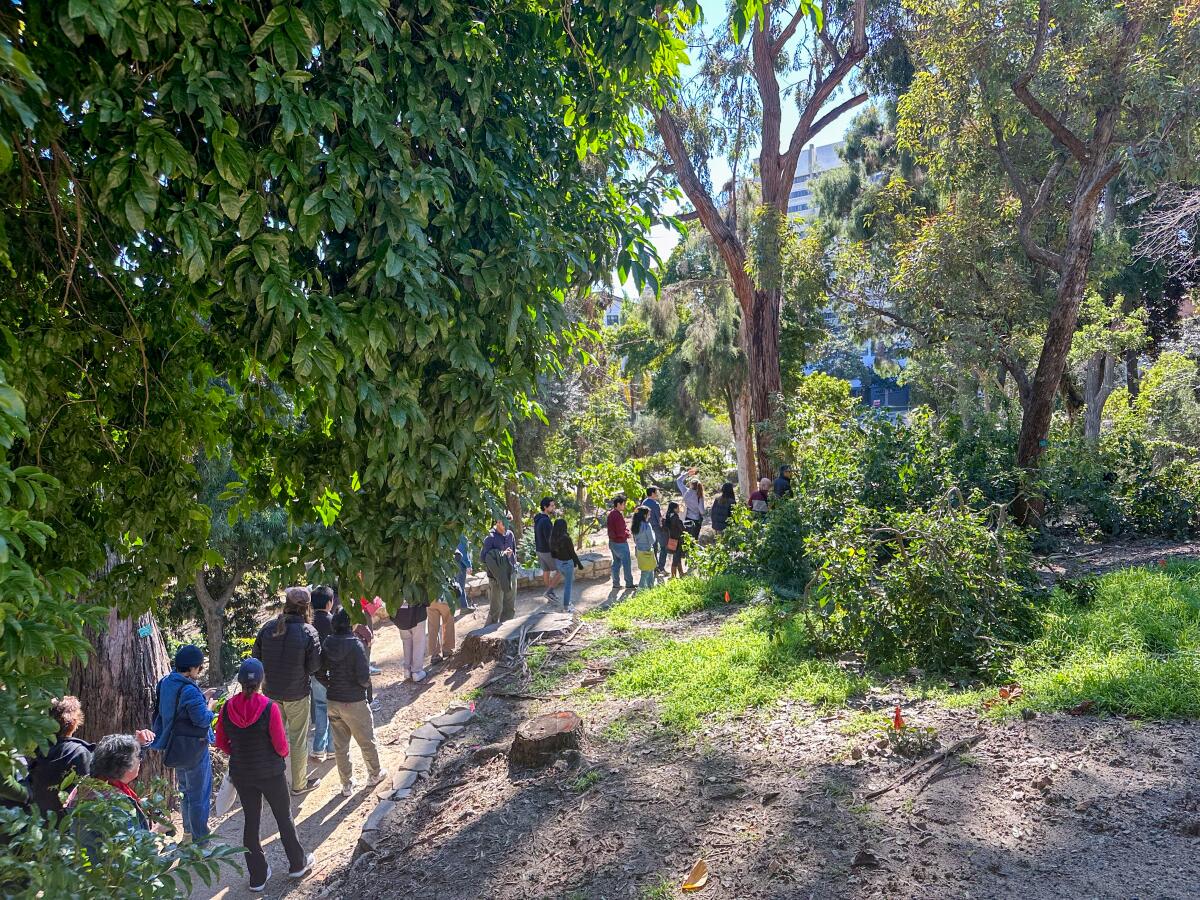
pixel 442 788
pixel 572 637
pixel 926 764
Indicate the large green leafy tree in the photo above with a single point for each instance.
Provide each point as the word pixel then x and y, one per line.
pixel 359 214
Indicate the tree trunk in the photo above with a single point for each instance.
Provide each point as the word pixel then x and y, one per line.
pixel 1060 330
pixel 213 609
pixel 580 501
pixel 743 438
pixel 116 684
pixel 1133 378
pixel 1098 385
pixel 512 499
pixel 760 337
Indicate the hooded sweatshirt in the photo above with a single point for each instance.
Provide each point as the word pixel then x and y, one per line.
pixel 542 526
pixel 243 710
pixel 47 771
pixel 344 668
pixel 783 484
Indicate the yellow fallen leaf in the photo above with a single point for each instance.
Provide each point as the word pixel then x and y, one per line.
pixel 698 877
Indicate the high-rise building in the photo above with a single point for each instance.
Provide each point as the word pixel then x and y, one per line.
pixel 813 161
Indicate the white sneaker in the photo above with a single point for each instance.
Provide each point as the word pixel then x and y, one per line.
pixel 259 888
pixel 420 676
pixel 374 669
pixel 349 788
pixel 309 862
pixel 379 776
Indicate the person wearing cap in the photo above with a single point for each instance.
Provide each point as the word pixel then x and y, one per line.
pixel 183 731
pixel 290 650
pixel 250 730
pixel 322 742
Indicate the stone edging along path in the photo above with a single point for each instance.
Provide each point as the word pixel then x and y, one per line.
pixel 423 745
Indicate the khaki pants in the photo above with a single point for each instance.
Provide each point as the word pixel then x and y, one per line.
pixel 348 720
pixel 296 718
pixel 441 629
pixel 501 599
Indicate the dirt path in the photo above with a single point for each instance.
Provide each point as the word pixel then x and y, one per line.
pixel 328 823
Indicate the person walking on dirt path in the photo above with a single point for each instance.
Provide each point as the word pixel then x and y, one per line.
pixel 643 545
pixel 344 671
pixel 650 501
pixel 783 484
pixel 673 526
pixel 322 742
pixel 462 557
pixel 183 732
pixel 498 556
pixel 410 619
pixel 290 651
pixel 693 502
pixel 722 507
pixel 543 524
pixel 760 500
pixel 441 625
pixel 566 560
pixel 618 544
pixel 250 730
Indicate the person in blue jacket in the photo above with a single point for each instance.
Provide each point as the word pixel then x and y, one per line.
pixel 462 556
pixel 185 710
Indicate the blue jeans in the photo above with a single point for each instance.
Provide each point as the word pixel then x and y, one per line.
pixel 620 557
pixel 660 547
pixel 322 736
pixel 462 588
pixel 566 568
pixel 196 785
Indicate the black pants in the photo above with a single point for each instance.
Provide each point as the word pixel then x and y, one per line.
pixel 251 792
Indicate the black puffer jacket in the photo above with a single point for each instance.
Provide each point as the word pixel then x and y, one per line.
pixel 288 659
pixel 48 770
pixel 344 669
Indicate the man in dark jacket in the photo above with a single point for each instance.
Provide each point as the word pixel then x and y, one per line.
pixel 67 754
pixel 347 677
pixel 543 524
pixel 290 651
pixel 322 745
pixel 783 484
pixel 184 714
pixel 499 559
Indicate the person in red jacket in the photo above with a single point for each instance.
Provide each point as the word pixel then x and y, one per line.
pixel 618 544
pixel 250 729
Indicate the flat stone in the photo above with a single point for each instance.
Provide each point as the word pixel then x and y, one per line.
pixel 450 730
pixel 452 717
pixel 378 814
pixel 404 779
pixel 403 794
pixel 427 732
pixel 417 764
pixel 423 747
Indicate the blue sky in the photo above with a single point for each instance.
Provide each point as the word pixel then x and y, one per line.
pixel 665 239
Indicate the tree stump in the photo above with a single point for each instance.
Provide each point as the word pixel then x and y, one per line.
pixel 493 642
pixel 541 739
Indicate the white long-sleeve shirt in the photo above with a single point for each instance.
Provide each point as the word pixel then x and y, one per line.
pixel 693 505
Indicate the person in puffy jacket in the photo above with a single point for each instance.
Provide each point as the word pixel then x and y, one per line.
pixel 67 754
pixel 346 676
pixel 290 651
pixel 251 730
pixel 673 526
pixel 722 507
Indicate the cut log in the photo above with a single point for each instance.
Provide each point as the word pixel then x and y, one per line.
pixel 541 739
pixel 503 640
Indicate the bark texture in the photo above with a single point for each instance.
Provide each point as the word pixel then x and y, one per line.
pixel 540 740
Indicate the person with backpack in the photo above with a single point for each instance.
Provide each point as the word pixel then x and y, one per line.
pixel 693 502
pixel 566 560
pixel 322 742
pixel 346 676
pixel 67 754
pixel 250 730
pixel 183 732
pixel 499 558
pixel 290 651
pixel 643 545
pixel 543 525
pixel 722 507
pixel 673 527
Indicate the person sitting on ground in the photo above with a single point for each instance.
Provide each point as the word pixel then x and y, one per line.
pixel 673 526
pixel 783 484
pixel 183 732
pixel 410 619
pixel 562 548
pixel 543 524
pixel 250 729
pixel 440 633
pixel 290 651
pixel 67 754
pixel 643 545
pixel 498 556
pixel 344 672
pixel 693 501
pixel 722 507
pixel 760 500
pixel 322 742
pixel 618 544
